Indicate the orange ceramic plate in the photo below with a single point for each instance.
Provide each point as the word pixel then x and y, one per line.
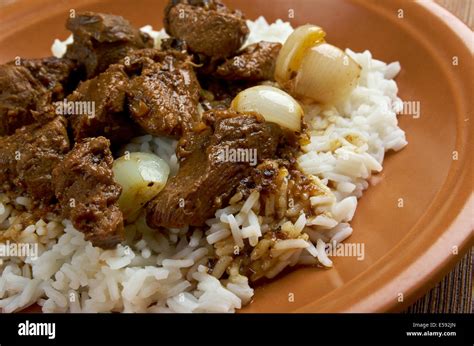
pixel 407 249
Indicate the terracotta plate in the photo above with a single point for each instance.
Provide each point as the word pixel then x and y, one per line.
pixel 407 249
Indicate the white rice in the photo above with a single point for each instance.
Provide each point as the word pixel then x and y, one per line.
pixel 168 272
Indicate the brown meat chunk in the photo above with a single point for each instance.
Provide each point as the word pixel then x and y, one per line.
pixel 255 63
pixel 102 39
pixel 207 26
pixel 28 157
pixel 163 97
pixel 173 43
pixel 85 187
pixel 219 93
pixel 21 95
pixel 211 169
pixel 58 75
pixel 99 107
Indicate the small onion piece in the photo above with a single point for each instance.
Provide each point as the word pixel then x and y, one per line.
pixel 326 75
pixel 142 176
pixel 292 53
pixel 273 104
pixel 315 71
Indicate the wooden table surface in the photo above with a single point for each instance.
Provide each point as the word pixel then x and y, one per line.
pixel 454 293
pixel 463 9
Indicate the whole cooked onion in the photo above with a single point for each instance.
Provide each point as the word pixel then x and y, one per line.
pixel 294 49
pixel 312 70
pixel 273 104
pixel 326 74
pixel 142 176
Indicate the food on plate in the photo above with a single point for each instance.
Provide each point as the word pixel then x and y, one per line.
pixel 29 156
pixel 29 86
pixel 102 39
pixel 206 179
pixel 273 104
pixel 254 63
pixel 208 27
pixel 21 98
pixel 87 193
pixel 310 68
pixel 142 176
pixel 172 170
pixel 163 95
pixel 104 112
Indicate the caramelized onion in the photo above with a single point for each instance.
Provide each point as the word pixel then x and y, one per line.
pixel 294 49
